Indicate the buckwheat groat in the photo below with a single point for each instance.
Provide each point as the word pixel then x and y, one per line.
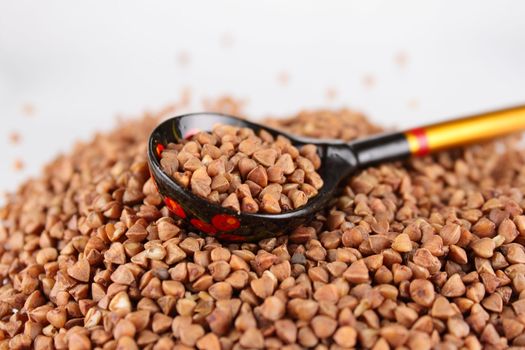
pixel 243 171
pixel 426 254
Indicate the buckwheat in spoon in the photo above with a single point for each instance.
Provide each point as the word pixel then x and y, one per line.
pixel 241 181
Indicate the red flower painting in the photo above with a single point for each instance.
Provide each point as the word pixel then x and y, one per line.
pixel 159 149
pixel 203 226
pixel 225 222
pixel 175 207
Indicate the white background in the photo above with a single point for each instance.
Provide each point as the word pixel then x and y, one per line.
pixel 81 63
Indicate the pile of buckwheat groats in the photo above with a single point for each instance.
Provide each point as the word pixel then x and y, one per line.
pixel 426 254
pixel 245 171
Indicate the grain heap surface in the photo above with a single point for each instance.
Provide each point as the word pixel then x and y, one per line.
pixel 427 254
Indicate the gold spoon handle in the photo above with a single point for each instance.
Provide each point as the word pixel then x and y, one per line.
pixel 463 131
pixel 435 137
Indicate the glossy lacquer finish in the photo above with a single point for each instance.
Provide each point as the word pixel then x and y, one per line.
pixel 338 161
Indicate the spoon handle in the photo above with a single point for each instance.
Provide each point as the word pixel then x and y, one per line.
pixel 435 137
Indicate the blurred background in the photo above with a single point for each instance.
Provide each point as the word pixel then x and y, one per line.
pixel 70 68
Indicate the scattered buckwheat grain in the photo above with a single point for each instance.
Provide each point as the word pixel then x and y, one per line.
pixel 426 254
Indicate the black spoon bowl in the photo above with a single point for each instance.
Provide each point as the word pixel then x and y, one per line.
pixel 338 160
